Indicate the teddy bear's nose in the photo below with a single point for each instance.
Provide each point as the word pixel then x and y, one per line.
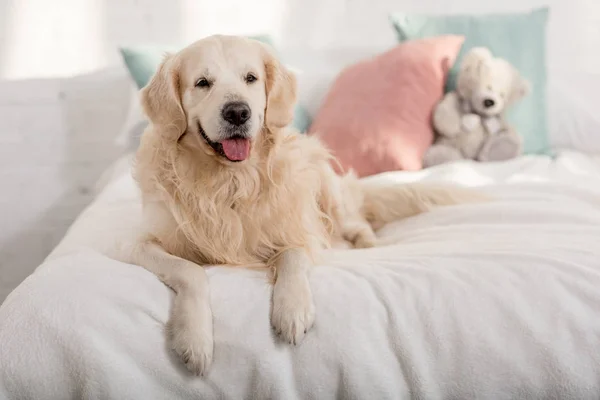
pixel 487 103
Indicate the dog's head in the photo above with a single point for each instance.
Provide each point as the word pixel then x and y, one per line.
pixel 221 95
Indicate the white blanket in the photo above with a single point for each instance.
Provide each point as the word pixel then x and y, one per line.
pixel 486 301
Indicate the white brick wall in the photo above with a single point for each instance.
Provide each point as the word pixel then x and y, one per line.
pixel 42 38
pixel 56 137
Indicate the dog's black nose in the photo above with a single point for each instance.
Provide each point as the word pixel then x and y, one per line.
pixel 487 103
pixel 236 112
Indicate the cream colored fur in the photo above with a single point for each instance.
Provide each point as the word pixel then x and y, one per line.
pixel 278 208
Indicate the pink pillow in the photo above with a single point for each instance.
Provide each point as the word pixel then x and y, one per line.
pixel 377 114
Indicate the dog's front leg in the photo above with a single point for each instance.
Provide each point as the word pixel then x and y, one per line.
pixel 190 326
pixel 293 309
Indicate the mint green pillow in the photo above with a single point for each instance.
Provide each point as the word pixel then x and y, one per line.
pixel 520 38
pixel 142 62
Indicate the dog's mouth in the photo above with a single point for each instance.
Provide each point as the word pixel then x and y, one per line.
pixel 235 148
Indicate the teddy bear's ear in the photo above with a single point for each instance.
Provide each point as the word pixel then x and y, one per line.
pixel 521 88
pixel 475 57
pixel 471 69
pixel 480 52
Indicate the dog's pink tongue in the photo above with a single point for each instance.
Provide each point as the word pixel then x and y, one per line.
pixel 236 149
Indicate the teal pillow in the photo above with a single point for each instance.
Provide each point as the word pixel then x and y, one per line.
pixel 142 62
pixel 520 38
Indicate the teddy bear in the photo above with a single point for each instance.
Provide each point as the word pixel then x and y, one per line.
pixel 470 122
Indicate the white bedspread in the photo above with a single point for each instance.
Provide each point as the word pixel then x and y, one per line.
pixel 487 301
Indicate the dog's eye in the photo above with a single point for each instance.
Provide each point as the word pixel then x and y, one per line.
pixel 250 78
pixel 202 83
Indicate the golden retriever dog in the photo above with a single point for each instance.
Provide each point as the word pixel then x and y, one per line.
pixel 224 181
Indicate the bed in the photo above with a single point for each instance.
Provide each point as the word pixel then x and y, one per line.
pixel 493 301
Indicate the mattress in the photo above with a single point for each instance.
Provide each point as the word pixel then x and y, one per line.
pixel 497 300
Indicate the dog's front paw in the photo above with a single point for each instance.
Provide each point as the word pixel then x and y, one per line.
pixel 191 337
pixel 360 234
pixel 293 312
pixel 365 240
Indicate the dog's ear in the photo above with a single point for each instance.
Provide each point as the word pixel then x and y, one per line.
pixel 281 91
pixel 161 99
